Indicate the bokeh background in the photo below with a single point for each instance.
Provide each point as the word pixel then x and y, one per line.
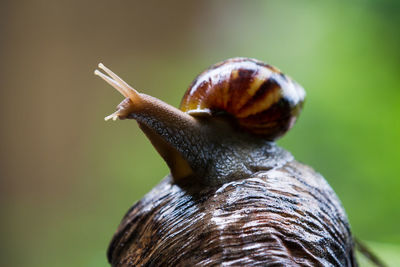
pixel 68 177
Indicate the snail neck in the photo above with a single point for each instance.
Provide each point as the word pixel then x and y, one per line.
pixel 210 150
pixel 229 153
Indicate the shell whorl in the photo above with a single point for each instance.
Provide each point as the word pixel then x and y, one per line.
pixel 263 100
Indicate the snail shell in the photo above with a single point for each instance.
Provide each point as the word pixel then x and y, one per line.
pixel 260 97
pixel 284 217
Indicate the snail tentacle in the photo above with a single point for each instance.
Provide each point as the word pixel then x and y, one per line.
pixel 132 96
pixel 119 84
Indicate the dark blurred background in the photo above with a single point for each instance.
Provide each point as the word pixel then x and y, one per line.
pixel 67 177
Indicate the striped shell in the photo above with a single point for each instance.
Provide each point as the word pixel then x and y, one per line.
pixel 263 100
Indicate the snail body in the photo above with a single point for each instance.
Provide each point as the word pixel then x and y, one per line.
pixel 233 196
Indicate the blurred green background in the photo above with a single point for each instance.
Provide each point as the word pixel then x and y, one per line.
pixel 68 177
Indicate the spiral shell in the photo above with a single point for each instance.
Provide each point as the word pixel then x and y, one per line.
pixel 260 97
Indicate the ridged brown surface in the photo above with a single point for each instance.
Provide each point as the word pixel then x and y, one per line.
pixel 282 217
pixel 261 98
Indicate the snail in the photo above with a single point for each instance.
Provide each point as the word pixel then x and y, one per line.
pixel 233 196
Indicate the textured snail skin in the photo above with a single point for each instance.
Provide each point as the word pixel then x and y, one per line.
pixel 288 216
pixel 233 196
pixel 218 152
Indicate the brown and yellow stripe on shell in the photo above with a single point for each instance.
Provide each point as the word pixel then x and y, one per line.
pixel 261 98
